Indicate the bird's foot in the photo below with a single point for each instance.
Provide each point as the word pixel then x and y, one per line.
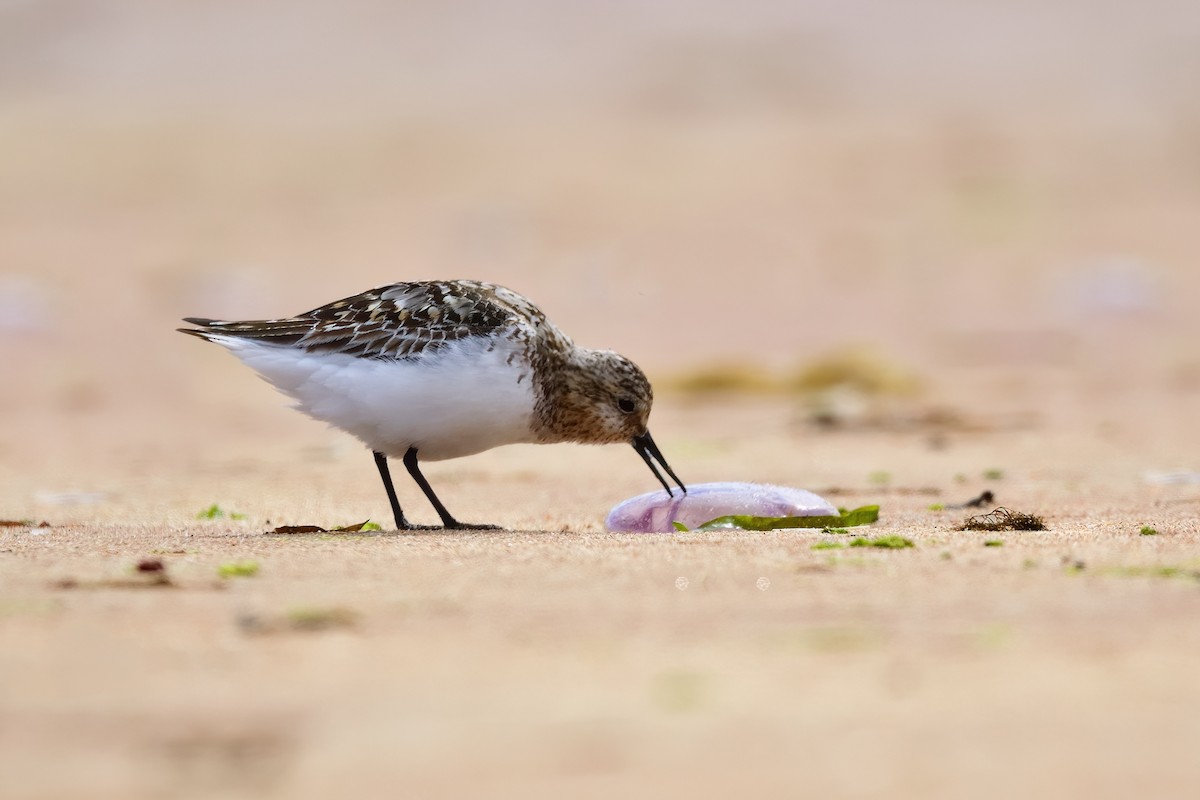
pixel 455 525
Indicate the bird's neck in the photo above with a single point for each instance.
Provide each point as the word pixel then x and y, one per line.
pixel 561 392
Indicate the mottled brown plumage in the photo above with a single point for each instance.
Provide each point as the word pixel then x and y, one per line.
pixel 403 320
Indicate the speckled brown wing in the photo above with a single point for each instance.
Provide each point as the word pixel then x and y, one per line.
pixel 399 321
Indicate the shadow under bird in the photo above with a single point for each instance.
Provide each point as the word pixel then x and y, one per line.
pixel 433 370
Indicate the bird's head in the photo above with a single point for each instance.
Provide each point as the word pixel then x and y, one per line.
pixel 601 397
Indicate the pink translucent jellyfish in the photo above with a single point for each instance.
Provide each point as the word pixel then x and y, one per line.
pixel 655 512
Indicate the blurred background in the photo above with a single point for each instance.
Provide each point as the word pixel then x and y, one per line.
pixel 1001 197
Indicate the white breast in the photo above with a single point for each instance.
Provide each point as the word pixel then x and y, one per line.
pixel 462 400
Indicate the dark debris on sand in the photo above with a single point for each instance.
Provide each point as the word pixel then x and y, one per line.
pixel 1002 519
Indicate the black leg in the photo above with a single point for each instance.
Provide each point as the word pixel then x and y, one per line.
pixel 410 461
pixel 386 474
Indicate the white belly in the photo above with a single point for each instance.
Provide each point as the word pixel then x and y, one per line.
pixel 462 400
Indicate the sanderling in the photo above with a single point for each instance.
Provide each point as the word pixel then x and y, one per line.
pixel 443 369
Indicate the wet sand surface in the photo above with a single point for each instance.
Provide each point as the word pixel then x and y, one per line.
pixel 558 658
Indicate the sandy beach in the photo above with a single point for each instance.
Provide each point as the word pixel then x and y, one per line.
pixel 1000 241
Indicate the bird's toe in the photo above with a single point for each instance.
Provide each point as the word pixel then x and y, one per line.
pixel 455 525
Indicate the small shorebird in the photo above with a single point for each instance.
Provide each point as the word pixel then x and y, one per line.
pixel 442 369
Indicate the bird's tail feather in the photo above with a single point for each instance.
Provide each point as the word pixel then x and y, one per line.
pixel 272 331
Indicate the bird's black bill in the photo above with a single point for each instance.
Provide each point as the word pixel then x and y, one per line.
pixel 648 450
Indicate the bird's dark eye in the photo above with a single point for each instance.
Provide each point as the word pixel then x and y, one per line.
pixel 626 405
